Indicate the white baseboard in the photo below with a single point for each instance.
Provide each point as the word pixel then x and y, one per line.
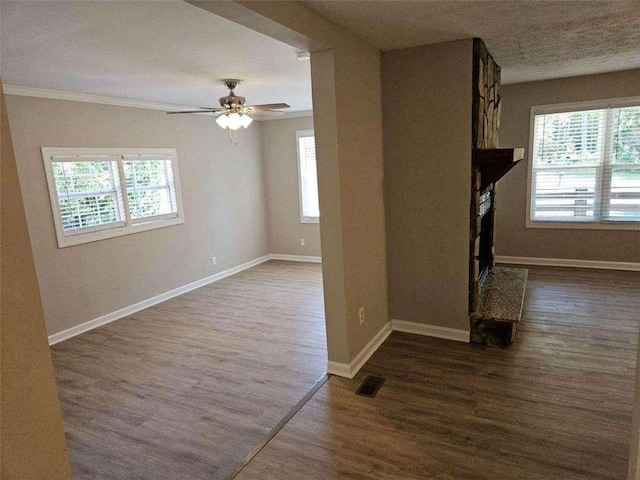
pixel 295 258
pixel 340 369
pixel 569 262
pixel 335 368
pixel 349 370
pixel 430 330
pixel 149 302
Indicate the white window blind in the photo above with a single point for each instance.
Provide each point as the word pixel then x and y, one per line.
pixel 586 166
pixel 308 177
pixel 103 193
pixel 88 191
pixel 151 192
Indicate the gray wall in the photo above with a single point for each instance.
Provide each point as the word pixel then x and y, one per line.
pixel 279 153
pixel 222 193
pixel 427 166
pixel 512 238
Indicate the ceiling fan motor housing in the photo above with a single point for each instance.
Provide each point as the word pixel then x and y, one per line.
pixel 234 108
pixel 232 103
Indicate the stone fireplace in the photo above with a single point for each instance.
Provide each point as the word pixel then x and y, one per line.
pixel 496 294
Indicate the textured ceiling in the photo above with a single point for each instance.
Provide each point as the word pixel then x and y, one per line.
pixel 163 52
pixel 531 40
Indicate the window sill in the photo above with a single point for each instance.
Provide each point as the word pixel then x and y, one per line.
pixel 309 220
pixel 584 225
pixel 69 241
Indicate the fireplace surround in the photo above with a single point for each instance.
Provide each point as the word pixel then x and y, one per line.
pixel 496 294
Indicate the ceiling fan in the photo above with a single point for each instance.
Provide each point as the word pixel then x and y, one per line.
pixel 233 113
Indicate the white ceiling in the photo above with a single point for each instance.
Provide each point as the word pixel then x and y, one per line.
pixel 156 51
pixel 530 40
pixel 173 52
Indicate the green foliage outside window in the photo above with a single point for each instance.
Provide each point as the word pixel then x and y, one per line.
pixel 148 187
pixel 570 139
pixel 626 136
pixel 86 192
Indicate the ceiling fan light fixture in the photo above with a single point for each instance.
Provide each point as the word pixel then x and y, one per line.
pixel 246 120
pixel 222 121
pixel 234 121
pixel 233 112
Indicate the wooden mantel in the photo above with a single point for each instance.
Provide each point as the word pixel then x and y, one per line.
pixel 494 163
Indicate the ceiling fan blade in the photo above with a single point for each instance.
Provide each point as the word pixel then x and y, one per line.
pixel 194 111
pixel 268 106
pixel 215 109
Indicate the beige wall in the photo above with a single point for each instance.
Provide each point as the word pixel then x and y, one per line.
pixel 634 450
pixel 333 276
pixel 222 194
pixel 427 146
pixel 346 82
pixel 280 157
pixel 512 238
pixel 348 125
pixel 32 438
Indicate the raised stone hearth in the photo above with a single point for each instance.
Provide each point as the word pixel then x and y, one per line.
pixel 499 307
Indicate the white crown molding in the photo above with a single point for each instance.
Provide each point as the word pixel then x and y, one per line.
pixel 121 102
pixel 569 262
pixel 90 98
pixel 285 116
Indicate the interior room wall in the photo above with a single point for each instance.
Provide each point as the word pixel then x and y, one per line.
pixel 345 73
pixel 333 275
pixel 222 193
pixel 33 442
pixel 280 157
pixel 512 238
pixel 634 450
pixel 427 148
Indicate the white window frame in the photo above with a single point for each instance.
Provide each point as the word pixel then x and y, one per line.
pixel 126 227
pixel 564 108
pixel 302 134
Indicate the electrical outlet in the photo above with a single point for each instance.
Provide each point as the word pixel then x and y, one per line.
pixel 302 242
pixel 361 315
pixel 214 261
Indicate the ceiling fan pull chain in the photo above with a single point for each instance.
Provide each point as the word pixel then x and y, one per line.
pixel 233 137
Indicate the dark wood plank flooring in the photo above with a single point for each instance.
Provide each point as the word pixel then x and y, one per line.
pixel 185 389
pixel 556 405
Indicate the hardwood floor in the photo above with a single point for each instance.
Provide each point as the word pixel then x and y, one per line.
pixel 557 404
pixel 187 388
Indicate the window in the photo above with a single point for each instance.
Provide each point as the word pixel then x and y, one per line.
pixel 102 193
pixel 585 165
pixel 308 177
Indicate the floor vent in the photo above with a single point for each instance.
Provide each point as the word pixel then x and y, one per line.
pixel 370 386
